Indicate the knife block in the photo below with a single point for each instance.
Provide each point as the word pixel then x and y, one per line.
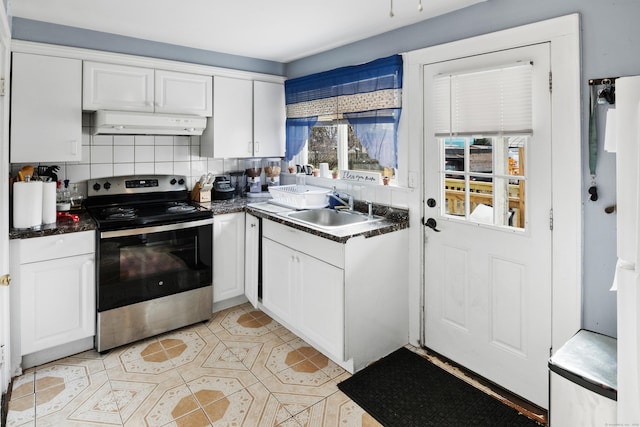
pixel 199 194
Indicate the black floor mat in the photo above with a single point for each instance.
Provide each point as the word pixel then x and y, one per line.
pixel 404 389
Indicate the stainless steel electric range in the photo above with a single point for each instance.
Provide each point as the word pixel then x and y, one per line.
pixel 153 257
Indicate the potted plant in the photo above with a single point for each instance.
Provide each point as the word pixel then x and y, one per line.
pixel 334 173
pixel 385 180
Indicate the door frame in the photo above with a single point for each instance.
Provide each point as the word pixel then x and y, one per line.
pixel 563 34
pixel 5 62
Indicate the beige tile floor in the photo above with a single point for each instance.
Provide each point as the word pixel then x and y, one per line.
pixel 241 368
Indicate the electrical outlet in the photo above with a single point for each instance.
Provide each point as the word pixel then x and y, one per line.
pixel 413 179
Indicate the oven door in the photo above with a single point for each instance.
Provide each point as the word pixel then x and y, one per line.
pixel 142 264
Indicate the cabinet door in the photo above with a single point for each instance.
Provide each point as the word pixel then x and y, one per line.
pixel 57 302
pixel 251 258
pixel 280 272
pixel 321 300
pixel 183 93
pixel 117 87
pixel 231 133
pixel 228 256
pixel 46 109
pixel 269 116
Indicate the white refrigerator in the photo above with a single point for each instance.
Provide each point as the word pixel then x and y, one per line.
pixel 627 277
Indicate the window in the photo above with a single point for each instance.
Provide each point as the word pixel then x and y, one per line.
pixel 347 117
pixel 483 179
pixel 339 147
pixel 483 126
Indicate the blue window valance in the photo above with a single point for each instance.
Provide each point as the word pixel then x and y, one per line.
pixel 368 96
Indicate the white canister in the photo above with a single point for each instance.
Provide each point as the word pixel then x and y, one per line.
pixel 48 202
pixel 324 170
pixel 27 204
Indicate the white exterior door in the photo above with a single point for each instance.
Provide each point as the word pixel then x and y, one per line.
pixel 488 265
pixel 5 40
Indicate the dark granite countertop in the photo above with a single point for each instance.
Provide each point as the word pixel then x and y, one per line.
pixel 394 219
pixel 62 226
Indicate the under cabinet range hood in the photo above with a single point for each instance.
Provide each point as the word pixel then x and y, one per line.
pixel 105 122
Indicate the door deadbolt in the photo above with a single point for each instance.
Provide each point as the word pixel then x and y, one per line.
pixel 431 202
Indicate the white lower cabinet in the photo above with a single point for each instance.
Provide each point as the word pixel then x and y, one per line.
pixel 54 291
pixel 57 302
pixel 346 299
pixel 305 292
pixel 228 256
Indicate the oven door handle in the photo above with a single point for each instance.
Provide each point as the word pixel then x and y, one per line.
pixel 155 229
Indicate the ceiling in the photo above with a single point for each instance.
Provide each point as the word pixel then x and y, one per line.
pixel 275 30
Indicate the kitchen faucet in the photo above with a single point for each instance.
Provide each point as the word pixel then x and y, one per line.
pixel 348 204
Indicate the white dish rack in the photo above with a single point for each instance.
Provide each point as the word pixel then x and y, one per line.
pixel 300 196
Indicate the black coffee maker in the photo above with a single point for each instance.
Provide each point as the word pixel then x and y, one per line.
pixel 222 188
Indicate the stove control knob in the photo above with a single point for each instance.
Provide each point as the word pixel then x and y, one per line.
pixel 181 181
pixel 107 185
pixel 173 181
pixel 96 186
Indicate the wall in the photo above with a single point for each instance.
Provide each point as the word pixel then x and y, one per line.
pixel 610 36
pixel 44 32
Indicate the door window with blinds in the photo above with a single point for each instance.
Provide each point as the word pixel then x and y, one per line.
pixel 483 124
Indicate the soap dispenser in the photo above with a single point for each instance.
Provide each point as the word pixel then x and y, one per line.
pixel 332 201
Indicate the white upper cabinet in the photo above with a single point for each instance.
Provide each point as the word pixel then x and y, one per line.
pixel 126 88
pixel 248 119
pixel 183 93
pixel 269 118
pixel 117 87
pixel 46 109
pixel 230 132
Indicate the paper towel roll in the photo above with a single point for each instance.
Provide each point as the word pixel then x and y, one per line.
pixel 48 202
pixel 628 139
pixel 610 139
pixel 27 204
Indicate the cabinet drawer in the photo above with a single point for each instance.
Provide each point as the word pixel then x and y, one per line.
pixel 57 246
pixel 317 247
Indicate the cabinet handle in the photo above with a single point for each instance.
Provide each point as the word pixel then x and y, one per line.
pixel 250 148
pixel 253 225
pixel 257 145
pixel 74 146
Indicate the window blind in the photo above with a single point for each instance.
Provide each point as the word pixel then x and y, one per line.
pixel 495 101
pixel 367 96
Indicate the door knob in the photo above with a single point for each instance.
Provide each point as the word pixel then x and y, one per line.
pixel 431 223
pixel 5 279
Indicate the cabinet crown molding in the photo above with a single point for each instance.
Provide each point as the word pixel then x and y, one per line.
pixel 137 61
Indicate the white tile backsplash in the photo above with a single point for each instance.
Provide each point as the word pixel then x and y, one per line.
pixel 123 169
pixel 163 168
pixel 164 153
pixel 144 168
pixel 116 155
pixel 101 154
pixel 164 140
pixel 123 140
pixel 101 170
pixel 123 154
pixel 182 153
pixel 144 153
pixel 144 140
pixel 102 140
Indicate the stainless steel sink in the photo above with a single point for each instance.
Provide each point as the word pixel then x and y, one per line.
pixel 330 218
